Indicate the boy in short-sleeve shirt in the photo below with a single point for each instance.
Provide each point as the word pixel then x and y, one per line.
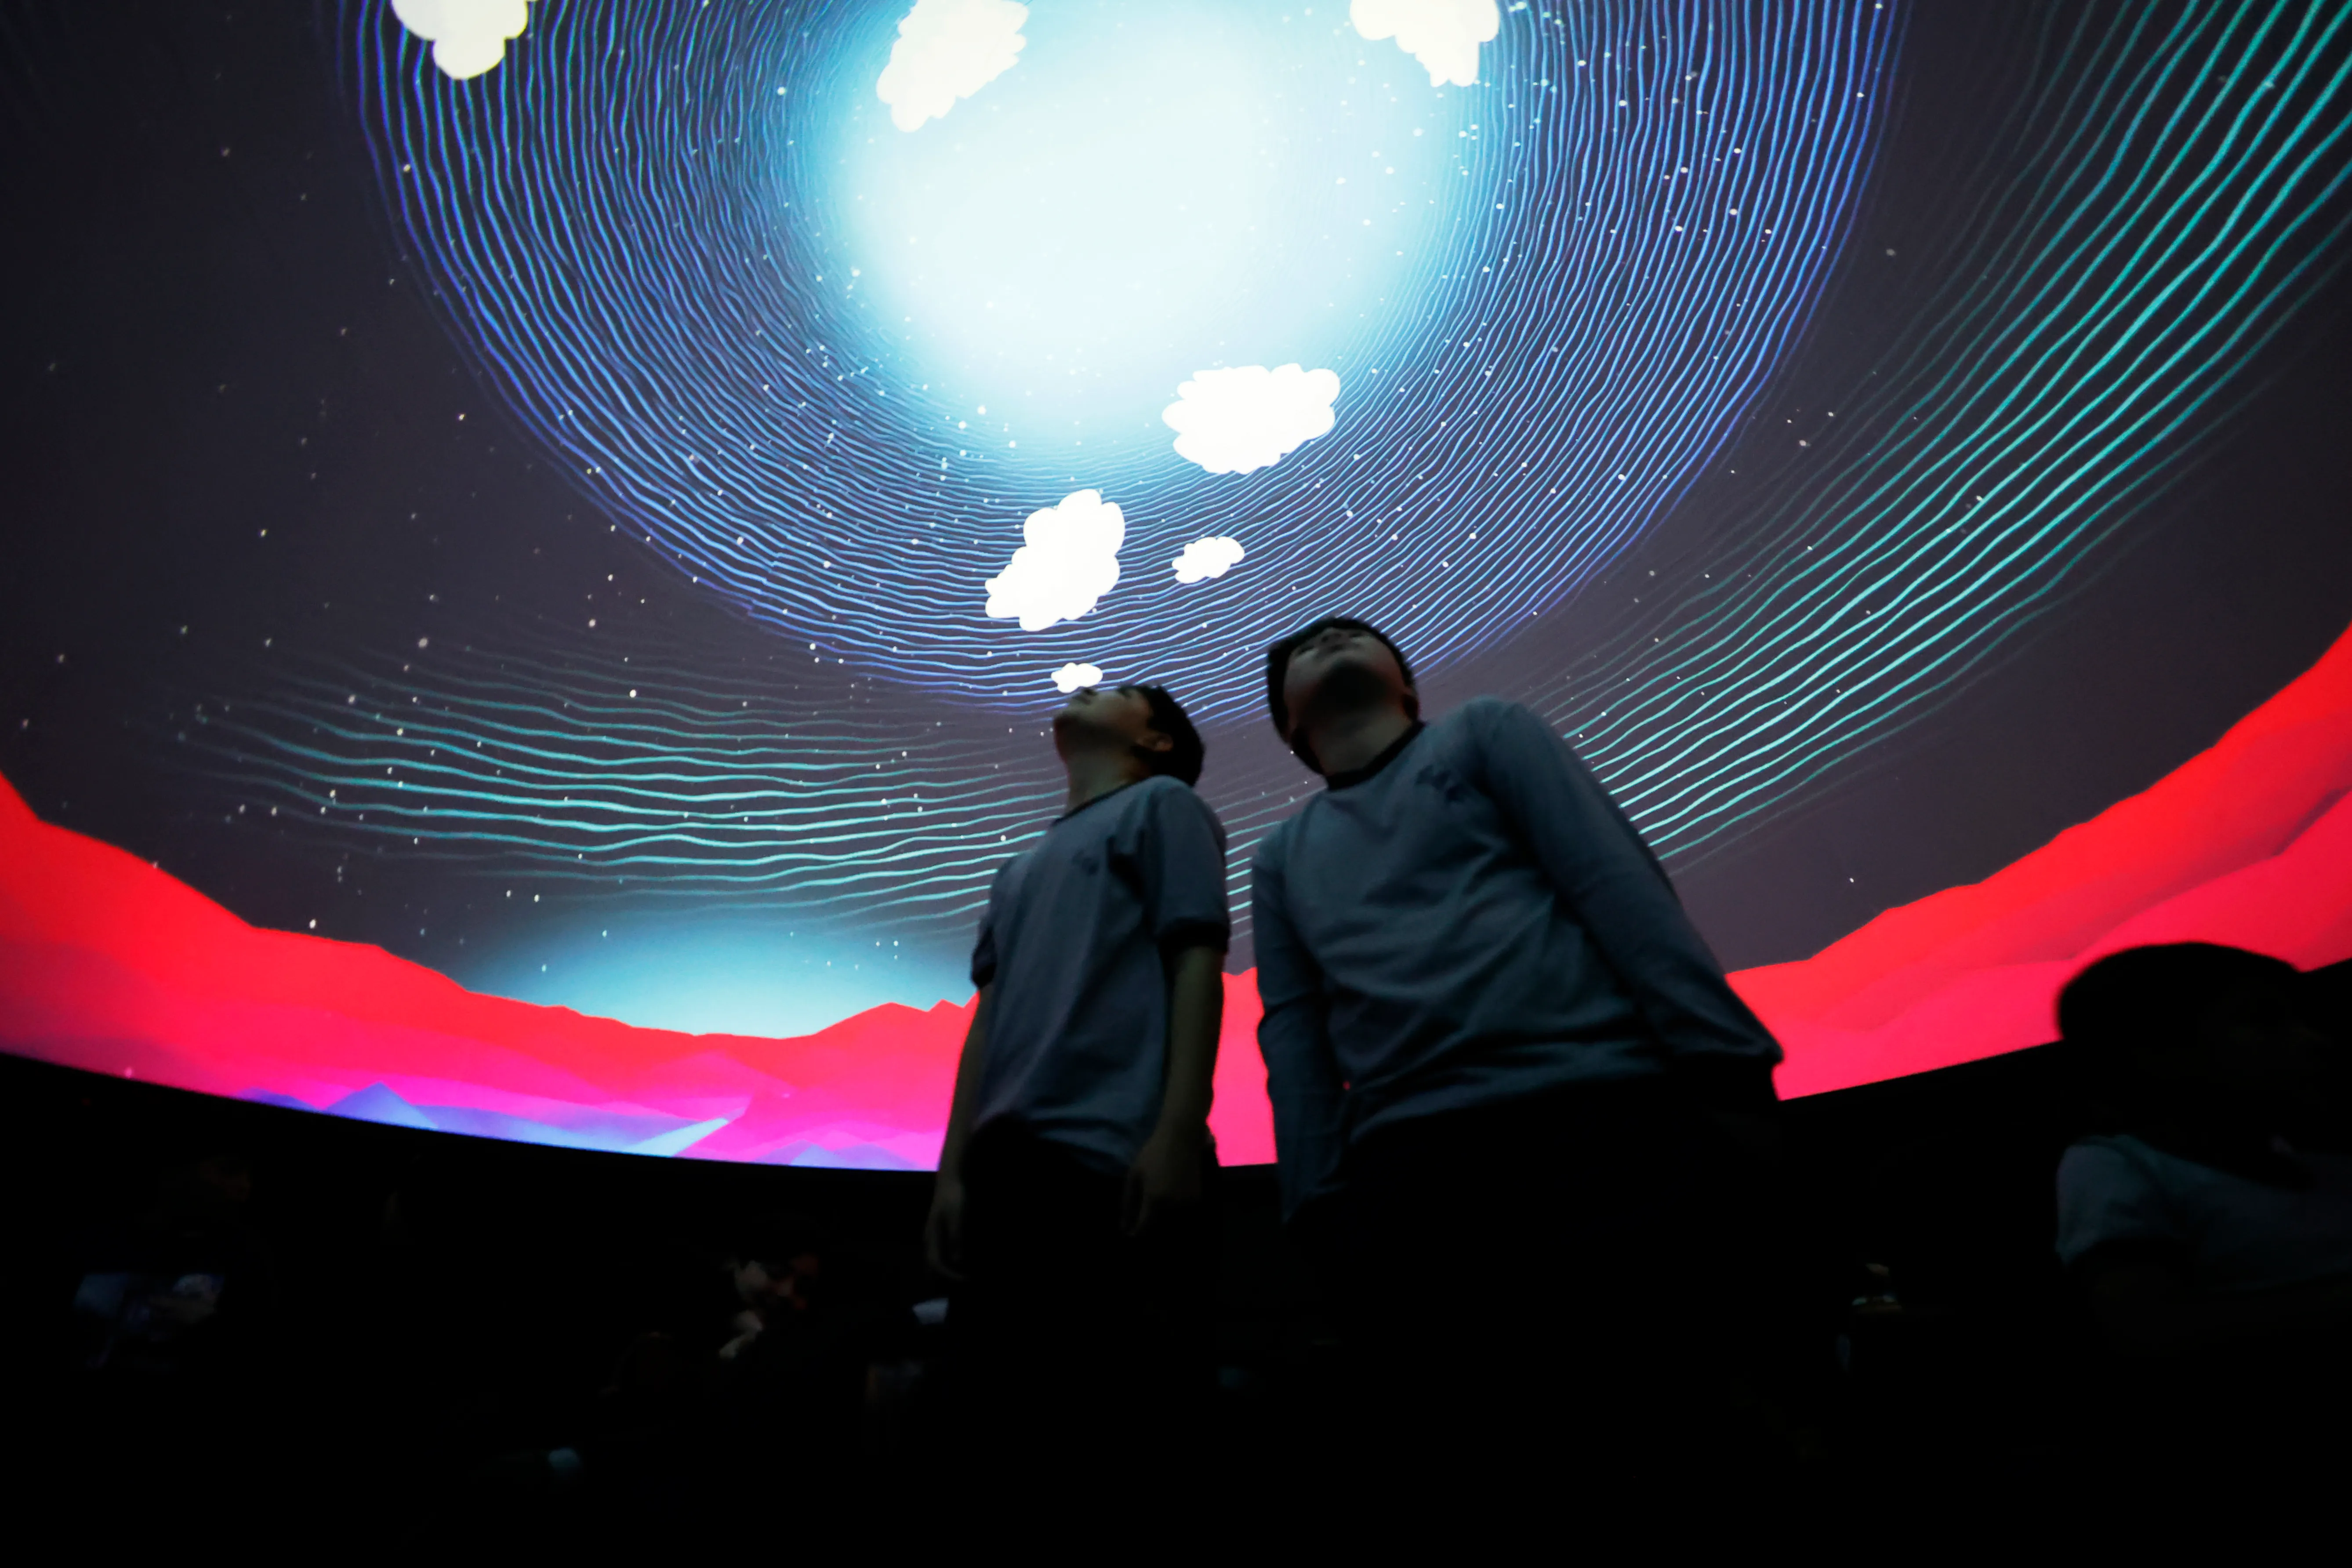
pixel 1068 1209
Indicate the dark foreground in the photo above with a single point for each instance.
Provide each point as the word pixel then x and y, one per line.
pixel 405 1336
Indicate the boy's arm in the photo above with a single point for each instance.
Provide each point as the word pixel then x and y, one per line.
pixel 1597 861
pixel 1167 1174
pixel 969 1066
pixel 1302 1076
pixel 943 1231
pixel 1179 852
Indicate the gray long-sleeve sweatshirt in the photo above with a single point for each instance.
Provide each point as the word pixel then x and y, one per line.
pixel 1474 921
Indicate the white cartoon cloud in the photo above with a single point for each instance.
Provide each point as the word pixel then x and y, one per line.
pixel 949 49
pixel 1245 418
pixel 1207 558
pixel 468 36
pixel 1070 677
pixel 1069 560
pixel 1443 35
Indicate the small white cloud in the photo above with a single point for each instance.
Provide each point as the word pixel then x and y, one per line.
pixel 1069 560
pixel 1071 677
pixel 468 36
pixel 1246 417
pixel 1443 35
pixel 949 49
pixel 1207 558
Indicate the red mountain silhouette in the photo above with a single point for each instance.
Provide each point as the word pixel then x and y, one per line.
pixel 2248 843
pixel 108 963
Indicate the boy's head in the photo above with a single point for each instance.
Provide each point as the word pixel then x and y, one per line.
pixel 1338 661
pixel 1144 721
pixel 2187 1018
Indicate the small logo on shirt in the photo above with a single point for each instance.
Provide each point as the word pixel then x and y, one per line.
pixel 1437 776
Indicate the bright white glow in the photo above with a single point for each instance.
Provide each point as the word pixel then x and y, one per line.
pixel 1071 677
pixel 468 36
pixel 949 49
pixel 1158 187
pixel 1207 558
pixel 1245 418
pixel 1443 35
pixel 1068 560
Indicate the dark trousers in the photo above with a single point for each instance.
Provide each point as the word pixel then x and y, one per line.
pixel 1556 1290
pixel 1071 1341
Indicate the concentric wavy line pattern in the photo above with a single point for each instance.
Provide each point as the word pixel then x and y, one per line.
pixel 2157 203
pixel 629 223
pixel 2175 188
pixel 658 778
pixel 668 776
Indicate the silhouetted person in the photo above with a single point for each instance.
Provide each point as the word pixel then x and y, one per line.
pixel 776 1283
pixel 1502 1064
pixel 791 1374
pixel 2210 1226
pixel 1069 1207
pixel 180 1337
pixel 199 1287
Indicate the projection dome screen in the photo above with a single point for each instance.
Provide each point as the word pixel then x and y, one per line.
pixel 544 534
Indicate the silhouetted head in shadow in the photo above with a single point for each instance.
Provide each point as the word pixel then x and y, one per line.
pixel 2206 1049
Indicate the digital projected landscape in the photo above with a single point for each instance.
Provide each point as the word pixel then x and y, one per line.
pixel 547 533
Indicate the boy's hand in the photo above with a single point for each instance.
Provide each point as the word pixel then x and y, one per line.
pixel 1165 1178
pixel 943 1229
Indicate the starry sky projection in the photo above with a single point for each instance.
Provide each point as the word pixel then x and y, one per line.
pixel 657 231
pixel 1972 373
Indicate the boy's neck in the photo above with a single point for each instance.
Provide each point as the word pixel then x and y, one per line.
pixel 1352 738
pixel 1094 773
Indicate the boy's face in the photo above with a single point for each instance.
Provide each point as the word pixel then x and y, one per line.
pixel 1345 655
pixel 1106 716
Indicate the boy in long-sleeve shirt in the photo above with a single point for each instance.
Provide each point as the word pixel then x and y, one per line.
pixel 1068 1208
pixel 1502 1060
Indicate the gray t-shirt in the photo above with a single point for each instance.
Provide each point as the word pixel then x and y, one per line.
pixel 2232 1231
pixel 1073 942
pixel 1475 921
